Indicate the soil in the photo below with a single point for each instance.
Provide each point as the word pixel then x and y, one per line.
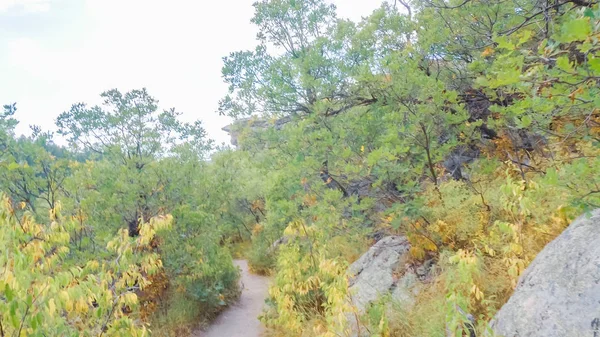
pixel 241 318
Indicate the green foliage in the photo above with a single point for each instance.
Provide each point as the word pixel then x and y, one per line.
pixel 262 256
pixel 31 172
pixel 202 279
pixel 310 286
pixel 43 292
pixel 7 122
pixel 470 127
pixel 129 127
pixel 201 268
pixel 128 165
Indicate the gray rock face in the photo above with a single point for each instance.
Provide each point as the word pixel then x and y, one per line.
pixel 281 241
pixel 558 295
pixel 382 270
pixel 254 124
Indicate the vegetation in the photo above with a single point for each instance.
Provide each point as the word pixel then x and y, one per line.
pixel 470 127
pixel 128 168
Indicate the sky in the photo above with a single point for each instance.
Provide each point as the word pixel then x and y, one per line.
pixel 54 53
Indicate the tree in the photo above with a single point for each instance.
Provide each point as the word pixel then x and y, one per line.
pixel 302 64
pixel 133 137
pixel 7 125
pixel 129 128
pixel 7 122
pixel 30 174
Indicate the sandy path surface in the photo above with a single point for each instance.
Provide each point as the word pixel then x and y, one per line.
pixel 240 320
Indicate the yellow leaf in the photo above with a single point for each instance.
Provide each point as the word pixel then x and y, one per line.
pixel 69 305
pixel 51 307
pixel 487 52
pixel 81 305
pixel 130 298
pixel 64 296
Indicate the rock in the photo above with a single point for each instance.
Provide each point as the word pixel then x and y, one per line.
pixel 281 241
pixel 360 188
pixel 254 124
pixel 404 290
pixel 468 326
pixel 384 195
pixel 382 270
pixel 558 295
pixel 385 269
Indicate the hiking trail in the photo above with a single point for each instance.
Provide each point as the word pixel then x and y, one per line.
pixel 241 318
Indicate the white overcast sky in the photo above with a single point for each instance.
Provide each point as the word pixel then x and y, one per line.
pixel 54 53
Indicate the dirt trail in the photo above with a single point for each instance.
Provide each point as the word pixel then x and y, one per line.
pixel 240 320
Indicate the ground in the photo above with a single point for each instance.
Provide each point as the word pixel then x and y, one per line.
pixel 240 320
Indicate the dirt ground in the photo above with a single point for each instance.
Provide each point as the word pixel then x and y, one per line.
pixel 240 320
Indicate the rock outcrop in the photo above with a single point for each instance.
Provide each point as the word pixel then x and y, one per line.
pixel 558 295
pixel 281 241
pixel 384 269
pixel 253 124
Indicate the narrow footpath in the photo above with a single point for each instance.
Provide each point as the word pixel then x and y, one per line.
pixel 240 320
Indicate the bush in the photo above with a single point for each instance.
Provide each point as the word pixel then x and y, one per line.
pixel 45 292
pixel 202 279
pixel 262 256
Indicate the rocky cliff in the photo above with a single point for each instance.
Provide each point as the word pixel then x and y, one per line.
pixel 558 295
pixel 252 125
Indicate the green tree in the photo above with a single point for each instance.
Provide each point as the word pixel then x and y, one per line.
pixel 132 136
pixel 301 66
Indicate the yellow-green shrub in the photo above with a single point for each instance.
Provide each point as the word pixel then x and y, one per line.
pixel 309 294
pixel 45 292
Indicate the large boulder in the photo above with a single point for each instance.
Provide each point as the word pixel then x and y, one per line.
pixel 253 124
pixel 558 295
pixel 384 269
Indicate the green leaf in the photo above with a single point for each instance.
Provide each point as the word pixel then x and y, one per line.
pixel 504 43
pixel 594 64
pixel 13 166
pixel 35 321
pixel 524 37
pixel 504 227
pixel 507 77
pixel 8 293
pixel 29 300
pixel 13 308
pixel 526 121
pixel 552 176
pixel 586 47
pixel 563 63
pixel 576 30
